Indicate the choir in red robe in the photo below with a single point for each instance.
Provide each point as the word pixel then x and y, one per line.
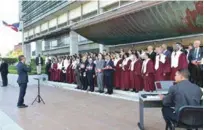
pixel 178 61
pixel 162 68
pixel 148 74
pixel 117 73
pixel 125 73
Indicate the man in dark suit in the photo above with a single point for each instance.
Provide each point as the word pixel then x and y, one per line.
pixel 90 72
pixel 195 57
pixel 47 69
pixel 39 64
pixel 4 73
pixel 108 74
pixel 184 93
pixel 151 52
pixel 166 52
pixel 22 80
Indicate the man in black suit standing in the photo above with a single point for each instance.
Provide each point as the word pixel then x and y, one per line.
pixel 108 74
pixel 47 69
pixel 39 64
pixel 195 60
pixel 22 80
pixel 184 93
pixel 4 73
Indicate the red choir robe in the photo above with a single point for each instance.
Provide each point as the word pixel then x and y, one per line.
pixel 138 80
pixel 68 75
pixel 54 72
pixel 59 72
pixel 148 75
pixel 117 73
pixel 125 74
pixel 178 61
pixel 162 68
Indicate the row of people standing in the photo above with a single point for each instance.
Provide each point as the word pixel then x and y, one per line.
pixel 135 70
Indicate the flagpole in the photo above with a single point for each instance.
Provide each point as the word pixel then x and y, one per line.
pixel 22 25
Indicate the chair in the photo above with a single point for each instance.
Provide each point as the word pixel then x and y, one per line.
pixel 189 117
pixel 163 85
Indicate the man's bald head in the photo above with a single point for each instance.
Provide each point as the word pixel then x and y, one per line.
pixel 150 48
pixel 196 43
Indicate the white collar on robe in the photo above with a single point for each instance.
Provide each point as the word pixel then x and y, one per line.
pixel 175 59
pixel 144 65
pixel 132 65
pixel 162 60
pixel 66 63
pixel 59 65
pixel 116 61
pixel 125 61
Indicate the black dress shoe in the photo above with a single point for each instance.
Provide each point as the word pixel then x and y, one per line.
pixel 4 86
pixel 22 106
pixel 25 105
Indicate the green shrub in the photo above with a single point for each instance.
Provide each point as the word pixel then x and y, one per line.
pixel 10 61
pixel 12 68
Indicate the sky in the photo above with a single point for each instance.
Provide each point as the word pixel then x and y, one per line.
pixel 9 12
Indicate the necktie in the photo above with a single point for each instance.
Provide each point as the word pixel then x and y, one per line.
pixel 196 53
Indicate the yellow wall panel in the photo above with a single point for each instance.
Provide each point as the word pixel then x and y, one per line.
pixel 30 32
pixel 37 29
pixel 75 13
pixel 62 18
pixel 44 26
pixel 104 3
pixel 52 23
pixel 90 7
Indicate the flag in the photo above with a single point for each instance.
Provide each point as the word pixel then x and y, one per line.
pixel 14 26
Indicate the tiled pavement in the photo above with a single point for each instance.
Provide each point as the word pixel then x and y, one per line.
pixel 72 110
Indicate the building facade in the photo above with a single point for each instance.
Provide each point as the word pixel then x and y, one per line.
pixel 69 27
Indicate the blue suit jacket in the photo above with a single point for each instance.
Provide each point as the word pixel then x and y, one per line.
pixel 22 73
pixel 109 72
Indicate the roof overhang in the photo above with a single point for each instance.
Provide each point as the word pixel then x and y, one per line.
pixel 143 20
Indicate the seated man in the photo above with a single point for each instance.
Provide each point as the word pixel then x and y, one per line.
pixel 184 93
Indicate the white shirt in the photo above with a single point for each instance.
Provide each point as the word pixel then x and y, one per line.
pixel 175 59
pixel 39 58
pixel 159 58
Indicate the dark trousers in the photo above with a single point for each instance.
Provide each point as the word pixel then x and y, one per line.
pixel 4 79
pixel 63 77
pixel 23 87
pixel 197 75
pixel 169 114
pixel 84 82
pixel 90 82
pixel 109 83
pixel 49 76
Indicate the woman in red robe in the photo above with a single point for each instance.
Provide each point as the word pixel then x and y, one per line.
pixel 59 71
pixel 148 73
pixel 117 73
pixel 178 61
pixel 162 66
pixel 54 71
pixel 135 73
pixel 125 73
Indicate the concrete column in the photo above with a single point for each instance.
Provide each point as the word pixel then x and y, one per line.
pixel 73 43
pixel 27 52
pixel 101 48
pixel 38 47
